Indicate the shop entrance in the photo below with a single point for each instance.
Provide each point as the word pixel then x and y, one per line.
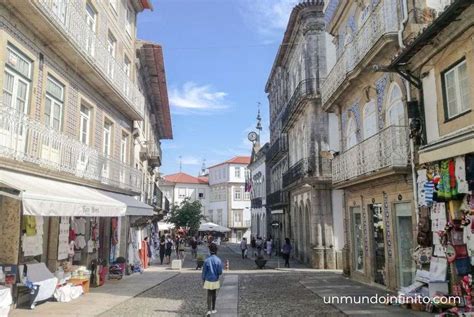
pixel 406 267
pixel 378 242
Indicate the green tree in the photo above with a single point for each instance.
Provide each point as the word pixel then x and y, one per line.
pixel 187 215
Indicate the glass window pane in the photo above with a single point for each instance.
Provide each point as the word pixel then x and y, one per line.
pixel 47 112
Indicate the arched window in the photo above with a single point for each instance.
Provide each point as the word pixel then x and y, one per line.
pixel 370 119
pixel 351 133
pixel 395 109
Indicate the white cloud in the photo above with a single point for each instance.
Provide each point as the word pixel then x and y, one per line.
pixel 269 17
pixel 195 99
pixel 190 160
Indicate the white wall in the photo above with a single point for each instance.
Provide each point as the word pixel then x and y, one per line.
pixel 431 113
pixel 216 205
pixel 334 133
pixel 337 197
pixel 232 177
pixel 191 191
pixel 218 174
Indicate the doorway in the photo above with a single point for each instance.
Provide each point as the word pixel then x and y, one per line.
pixel 378 242
pixel 406 267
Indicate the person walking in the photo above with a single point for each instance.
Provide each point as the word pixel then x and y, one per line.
pixel 162 249
pixel 286 251
pixel 253 244
pixel 194 244
pixel 243 247
pixel 180 248
pixel 269 246
pixel 259 245
pixel 168 249
pixel 211 271
pixel 176 246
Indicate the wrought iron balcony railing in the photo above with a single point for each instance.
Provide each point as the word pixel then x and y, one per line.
pixel 240 224
pixel 256 203
pixel 308 167
pixel 382 20
pixel 157 198
pixel 307 88
pixel 24 139
pixel 277 149
pixel 386 149
pixel 277 198
pixel 70 18
pixel 153 153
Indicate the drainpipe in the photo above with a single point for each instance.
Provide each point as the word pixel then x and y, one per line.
pixel 412 158
pixel 403 23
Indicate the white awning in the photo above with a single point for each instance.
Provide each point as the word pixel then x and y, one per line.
pixel 163 226
pixel 46 197
pixel 209 226
pixel 134 207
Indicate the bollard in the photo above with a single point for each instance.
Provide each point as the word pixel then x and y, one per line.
pixel 227 266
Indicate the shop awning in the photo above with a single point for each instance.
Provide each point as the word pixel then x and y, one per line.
pixel 134 207
pixel 46 197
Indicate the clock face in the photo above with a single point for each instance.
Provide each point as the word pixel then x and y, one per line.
pixel 252 136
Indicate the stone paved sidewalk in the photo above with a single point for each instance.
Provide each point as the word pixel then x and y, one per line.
pixel 102 298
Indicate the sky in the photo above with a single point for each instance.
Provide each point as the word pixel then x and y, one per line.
pixel 218 56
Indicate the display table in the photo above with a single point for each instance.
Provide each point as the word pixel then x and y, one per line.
pixel 5 300
pixel 84 282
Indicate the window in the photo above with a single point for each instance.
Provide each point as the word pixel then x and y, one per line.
pixel 237 194
pixel 237 216
pixel 129 21
pixel 126 69
pixel 123 148
pixel 16 82
pixel 114 5
pixel 53 109
pixel 60 9
pixel 219 217
pixel 181 193
pixel 370 119
pixel 237 172
pixel 111 47
pixel 85 124
pixel 107 138
pixel 210 214
pixel 456 90
pixel 351 134
pixel 395 111
pixel 201 194
pixel 91 20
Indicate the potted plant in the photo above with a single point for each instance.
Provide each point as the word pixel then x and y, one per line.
pixel 260 261
pixel 199 261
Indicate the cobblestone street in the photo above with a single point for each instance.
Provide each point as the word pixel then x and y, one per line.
pixel 268 292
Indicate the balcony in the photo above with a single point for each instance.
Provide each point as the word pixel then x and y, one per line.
pixel 25 140
pixel 386 151
pixel 307 88
pixel 382 21
pixel 240 224
pixel 153 152
pixel 277 198
pixel 65 30
pixel 278 149
pixel 157 201
pixel 256 203
pixel 314 167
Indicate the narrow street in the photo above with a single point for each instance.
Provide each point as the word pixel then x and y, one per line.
pixel 272 291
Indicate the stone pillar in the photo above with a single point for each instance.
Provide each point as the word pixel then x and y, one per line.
pixel 10 222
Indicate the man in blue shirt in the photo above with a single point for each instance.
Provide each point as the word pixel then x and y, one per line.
pixel 211 271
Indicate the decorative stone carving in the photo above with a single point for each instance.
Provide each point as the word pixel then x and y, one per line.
pixel 380 86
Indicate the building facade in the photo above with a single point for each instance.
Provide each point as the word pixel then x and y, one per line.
pixel 299 134
pixel 83 109
pixel 372 163
pixel 439 65
pixel 180 186
pixel 256 184
pixel 229 202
